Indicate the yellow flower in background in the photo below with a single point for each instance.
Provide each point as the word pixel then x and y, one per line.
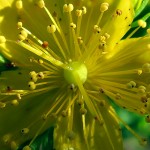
pixel 71 62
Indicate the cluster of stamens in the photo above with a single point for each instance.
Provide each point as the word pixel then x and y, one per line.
pixel 91 83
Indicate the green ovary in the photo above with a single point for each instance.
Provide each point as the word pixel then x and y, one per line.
pixel 75 68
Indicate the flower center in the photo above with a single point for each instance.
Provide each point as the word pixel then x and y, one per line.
pixel 75 69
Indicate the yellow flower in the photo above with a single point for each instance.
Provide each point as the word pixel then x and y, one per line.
pixel 71 62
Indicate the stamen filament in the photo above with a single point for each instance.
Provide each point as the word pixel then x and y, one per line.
pixel 85 131
pixel 52 19
pixel 79 25
pixel 85 96
pixel 58 44
pixel 41 54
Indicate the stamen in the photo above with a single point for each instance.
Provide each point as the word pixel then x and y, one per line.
pixel 85 131
pixel 77 48
pixel 41 3
pixel 141 89
pixel 23 35
pixel 84 10
pixel 87 99
pixel 41 54
pixel 55 104
pixel 103 8
pixel 146 68
pixel 32 85
pixel 79 14
pixel 51 29
pixel 15 102
pixel 35 136
pixel 2 105
pixel 25 131
pixel 6 138
pixel 68 7
pixel 19 25
pixel 26 148
pixel 56 23
pixel 13 145
pixel 45 44
pixel 19 4
pixel 142 24
pixel 148 31
pixel 131 84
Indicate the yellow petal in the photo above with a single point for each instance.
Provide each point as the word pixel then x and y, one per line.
pixel 117 25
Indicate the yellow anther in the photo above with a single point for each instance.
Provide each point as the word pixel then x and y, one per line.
pixel 107 35
pixel 64 113
pixel 83 111
pixel 102 102
pixel 139 72
pixel 104 7
pixel 6 138
pixel 80 40
pixel 78 12
pixel 141 91
pixel 97 29
pixel 102 38
pixel 15 102
pixel 2 105
pixel 146 68
pixel 19 25
pixel 68 7
pixel 41 75
pixel 148 31
pixel 32 73
pixel 23 35
pixel 84 11
pixel 26 148
pixel 2 39
pixel 41 3
pixel 32 85
pixel 72 25
pixel 51 28
pixel 13 145
pixel 118 96
pixel 102 45
pixel 40 61
pixel 19 96
pixel 131 85
pixel 142 23
pixel 19 4
pixel 25 130
pixel 142 87
pixel 34 78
